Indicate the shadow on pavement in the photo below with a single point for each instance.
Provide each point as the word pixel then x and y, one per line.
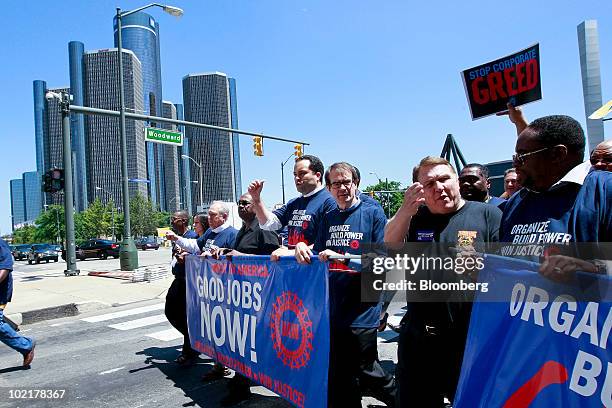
pixel 189 380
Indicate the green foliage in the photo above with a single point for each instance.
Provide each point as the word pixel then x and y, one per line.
pixel 390 202
pixel 50 225
pixel 142 216
pixel 162 219
pixel 24 235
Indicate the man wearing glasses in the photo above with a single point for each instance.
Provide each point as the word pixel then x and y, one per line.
pixel 562 201
pixel 354 364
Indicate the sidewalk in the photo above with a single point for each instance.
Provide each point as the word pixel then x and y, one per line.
pixel 51 295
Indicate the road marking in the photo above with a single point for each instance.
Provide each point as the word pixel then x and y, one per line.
pixel 166 335
pixel 134 324
pixel 123 313
pixel 111 371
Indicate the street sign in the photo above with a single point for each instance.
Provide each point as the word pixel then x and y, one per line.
pixel 156 135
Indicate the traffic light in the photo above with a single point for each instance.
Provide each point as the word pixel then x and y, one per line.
pixel 298 150
pixel 258 146
pixel 53 181
pixel 371 194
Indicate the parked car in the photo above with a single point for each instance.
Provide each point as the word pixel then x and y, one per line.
pixel 21 251
pixel 95 248
pixel 42 252
pixel 145 243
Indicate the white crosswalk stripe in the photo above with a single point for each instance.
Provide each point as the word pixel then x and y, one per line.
pixel 166 335
pixel 123 313
pixel 135 324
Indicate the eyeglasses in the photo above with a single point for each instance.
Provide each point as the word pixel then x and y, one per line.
pixel 345 183
pixel 520 157
pixel 243 203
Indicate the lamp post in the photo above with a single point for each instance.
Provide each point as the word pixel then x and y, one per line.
pixel 184 156
pixel 112 209
pixel 128 254
pixel 283 175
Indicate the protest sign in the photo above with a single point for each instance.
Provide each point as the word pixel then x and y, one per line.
pixel 514 78
pixel 544 347
pixel 267 320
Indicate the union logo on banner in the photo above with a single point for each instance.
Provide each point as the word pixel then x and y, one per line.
pixel 291 330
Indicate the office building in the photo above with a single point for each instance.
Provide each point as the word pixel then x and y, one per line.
pixel 207 98
pixel 172 196
pixel 32 195
pixel 103 150
pixel 18 215
pixel 496 176
pixel 184 169
pixel 140 34
pixel 588 45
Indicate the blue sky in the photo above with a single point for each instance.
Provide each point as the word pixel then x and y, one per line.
pixel 376 84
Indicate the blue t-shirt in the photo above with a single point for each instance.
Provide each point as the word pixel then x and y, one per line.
pixel 223 239
pixel 6 262
pixel 565 214
pixel 496 201
pixel 302 215
pixel 345 232
pixel 178 269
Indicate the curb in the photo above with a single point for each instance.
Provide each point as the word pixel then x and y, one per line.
pixel 56 312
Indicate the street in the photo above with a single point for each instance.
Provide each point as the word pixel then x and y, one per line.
pixel 124 356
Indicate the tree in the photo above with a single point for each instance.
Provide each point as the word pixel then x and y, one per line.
pixel 24 235
pixel 50 225
pixel 142 216
pixel 390 201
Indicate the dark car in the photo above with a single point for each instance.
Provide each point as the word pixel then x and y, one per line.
pixel 95 248
pixel 145 243
pixel 21 251
pixel 42 252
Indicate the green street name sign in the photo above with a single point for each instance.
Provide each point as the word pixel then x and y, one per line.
pixel 163 136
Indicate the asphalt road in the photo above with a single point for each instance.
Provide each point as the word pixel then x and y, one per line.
pixel 126 360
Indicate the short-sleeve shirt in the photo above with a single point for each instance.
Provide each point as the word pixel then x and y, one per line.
pixel 6 262
pixel 251 239
pixel 178 269
pixel 345 232
pixel 302 216
pixel 222 239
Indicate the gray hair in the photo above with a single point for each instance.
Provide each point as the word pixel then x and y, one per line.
pixel 222 206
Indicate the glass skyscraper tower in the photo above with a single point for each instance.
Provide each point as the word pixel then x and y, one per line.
pixel 140 34
pixel 210 98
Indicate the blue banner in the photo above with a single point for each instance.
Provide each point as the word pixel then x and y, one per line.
pixel 547 346
pixel 267 320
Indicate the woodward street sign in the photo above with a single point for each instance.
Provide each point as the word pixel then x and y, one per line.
pixel 163 136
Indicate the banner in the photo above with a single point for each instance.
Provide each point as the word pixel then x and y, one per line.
pixel 267 320
pixel 514 78
pixel 543 348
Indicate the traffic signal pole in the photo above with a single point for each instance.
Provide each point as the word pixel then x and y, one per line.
pixel 70 252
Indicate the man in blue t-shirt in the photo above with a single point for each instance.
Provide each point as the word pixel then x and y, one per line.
pixel 220 234
pixel 563 201
pixel 301 215
pixel 344 230
pixel 8 335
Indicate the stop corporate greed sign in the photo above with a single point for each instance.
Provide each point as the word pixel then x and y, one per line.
pixel 267 320
pixel 514 78
pixel 547 346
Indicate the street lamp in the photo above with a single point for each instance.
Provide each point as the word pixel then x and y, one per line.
pixel 283 175
pixel 112 209
pixel 184 156
pixel 128 254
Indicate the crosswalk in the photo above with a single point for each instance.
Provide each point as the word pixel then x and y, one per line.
pixel 131 319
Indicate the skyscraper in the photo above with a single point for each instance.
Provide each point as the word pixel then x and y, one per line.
pixel 172 196
pixel 102 132
pixel 17 203
pixel 77 124
pixel 48 135
pixel 588 45
pixel 208 99
pixel 140 33
pixel 184 172
pixel 32 195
